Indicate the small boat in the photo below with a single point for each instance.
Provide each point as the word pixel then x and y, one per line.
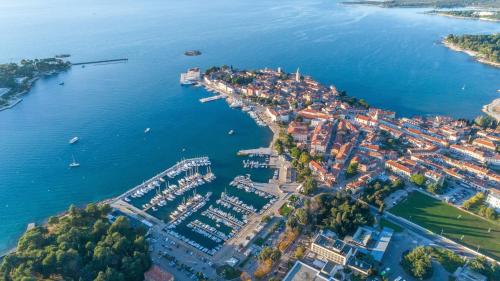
pixel 463 87
pixel 61 84
pixel 231 132
pixel 147 130
pixel 73 140
pixel 74 164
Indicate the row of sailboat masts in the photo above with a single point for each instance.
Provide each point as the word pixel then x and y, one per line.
pixel 193 171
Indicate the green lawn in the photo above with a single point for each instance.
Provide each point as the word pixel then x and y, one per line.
pixel 436 215
pixel 285 210
pixel 385 223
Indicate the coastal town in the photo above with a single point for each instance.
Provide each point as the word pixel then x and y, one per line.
pixel 353 140
pixel 328 142
pixel 354 195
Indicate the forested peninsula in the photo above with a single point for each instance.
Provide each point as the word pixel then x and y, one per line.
pixel 485 48
pixel 16 79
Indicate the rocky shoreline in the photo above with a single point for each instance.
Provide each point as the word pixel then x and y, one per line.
pixel 493 109
pixel 474 54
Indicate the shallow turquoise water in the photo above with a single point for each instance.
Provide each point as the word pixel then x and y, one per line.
pixel 388 57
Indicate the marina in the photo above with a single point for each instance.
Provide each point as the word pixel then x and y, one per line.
pixel 180 201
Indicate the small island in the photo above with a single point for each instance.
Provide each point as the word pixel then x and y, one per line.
pixel 16 79
pixel 468 14
pixel 192 53
pixel 485 48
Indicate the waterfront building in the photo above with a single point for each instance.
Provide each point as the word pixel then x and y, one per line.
pixel 365 120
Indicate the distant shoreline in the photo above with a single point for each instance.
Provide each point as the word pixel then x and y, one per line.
pixel 471 53
pixel 462 17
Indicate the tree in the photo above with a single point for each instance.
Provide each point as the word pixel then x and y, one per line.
pixel 352 169
pixel 485 121
pixel 278 145
pixel 295 152
pixel 304 158
pixel 339 212
pixel 418 263
pixel 81 245
pixel 299 252
pixel 302 216
pixel 309 186
pixel 490 213
pixel 435 188
pixel 418 179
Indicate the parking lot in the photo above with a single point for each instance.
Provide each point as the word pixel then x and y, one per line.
pixel 457 194
pixel 178 259
pixel 395 197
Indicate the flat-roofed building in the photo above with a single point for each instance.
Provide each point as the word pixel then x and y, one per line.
pixel 301 271
pixel 334 250
pixel 382 243
pixel 493 199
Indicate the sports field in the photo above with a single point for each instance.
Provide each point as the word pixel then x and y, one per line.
pixel 438 216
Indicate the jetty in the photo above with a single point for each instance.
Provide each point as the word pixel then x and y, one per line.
pixel 256 151
pixel 203 100
pixel 100 61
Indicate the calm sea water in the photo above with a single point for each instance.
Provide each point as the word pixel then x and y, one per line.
pixel 390 57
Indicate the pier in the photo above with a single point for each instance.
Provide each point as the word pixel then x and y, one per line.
pixel 218 97
pixel 232 221
pixel 256 151
pixel 172 170
pixel 101 61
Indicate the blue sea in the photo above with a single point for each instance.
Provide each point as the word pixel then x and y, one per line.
pixel 390 57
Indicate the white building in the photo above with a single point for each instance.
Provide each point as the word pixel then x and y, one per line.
pixel 493 199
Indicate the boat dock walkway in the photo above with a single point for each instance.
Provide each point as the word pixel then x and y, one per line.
pixel 218 97
pixel 100 61
pixel 246 209
pixel 160 175
pixel 256 151
pixel 227 219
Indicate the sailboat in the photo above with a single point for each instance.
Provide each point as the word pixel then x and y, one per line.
pixel 74 164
